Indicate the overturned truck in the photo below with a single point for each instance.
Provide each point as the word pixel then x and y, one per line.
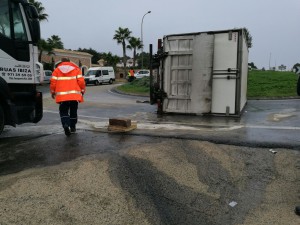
pixel 202 73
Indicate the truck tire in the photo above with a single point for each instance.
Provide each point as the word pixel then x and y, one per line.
pixel 2 118
pixel 110 81
pixel 96 82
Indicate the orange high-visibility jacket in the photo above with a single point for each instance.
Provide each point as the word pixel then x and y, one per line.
pixel 131 72
pixel 67 83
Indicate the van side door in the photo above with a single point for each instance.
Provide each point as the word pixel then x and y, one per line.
pixel 98 74
pixel 105 75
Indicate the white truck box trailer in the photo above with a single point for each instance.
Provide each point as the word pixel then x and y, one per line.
pixel 201 73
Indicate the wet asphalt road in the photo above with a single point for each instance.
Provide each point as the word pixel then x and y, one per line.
pixel 264 123
pixel 100 178
pixel 171 170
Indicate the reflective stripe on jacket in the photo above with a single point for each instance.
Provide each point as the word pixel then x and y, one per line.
pixel 67 83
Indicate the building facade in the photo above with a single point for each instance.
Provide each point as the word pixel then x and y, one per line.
pixel 129 63
pixel 82 59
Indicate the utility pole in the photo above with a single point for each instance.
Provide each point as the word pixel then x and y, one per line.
pixel 142 38
pixel 270 61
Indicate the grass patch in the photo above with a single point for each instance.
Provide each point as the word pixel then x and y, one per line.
pixel 271 84
pixel 260 84
pixel 138 86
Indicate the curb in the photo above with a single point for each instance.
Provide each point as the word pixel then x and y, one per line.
pixel 130 94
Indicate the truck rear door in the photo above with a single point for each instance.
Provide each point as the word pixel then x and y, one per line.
pixel 225 73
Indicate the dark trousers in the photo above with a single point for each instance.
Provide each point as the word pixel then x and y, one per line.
pixel 68 113
pixel 131 78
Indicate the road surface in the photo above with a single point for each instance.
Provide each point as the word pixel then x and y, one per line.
pixel 170 170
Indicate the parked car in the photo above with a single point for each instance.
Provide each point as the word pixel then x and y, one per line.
pixel 47 76
pixel 142 73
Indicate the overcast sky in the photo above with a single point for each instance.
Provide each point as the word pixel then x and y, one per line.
pixel 273 24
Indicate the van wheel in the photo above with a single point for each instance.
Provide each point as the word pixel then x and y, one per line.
pixel 96 82
pixel 110 81
pixel 1 119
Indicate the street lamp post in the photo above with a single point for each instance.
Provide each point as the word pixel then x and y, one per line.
pixel 142 38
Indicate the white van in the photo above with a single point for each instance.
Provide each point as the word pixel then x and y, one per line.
pixel 99 75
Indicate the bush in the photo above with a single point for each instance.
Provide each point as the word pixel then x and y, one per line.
pixel 137 86
pixel 142 82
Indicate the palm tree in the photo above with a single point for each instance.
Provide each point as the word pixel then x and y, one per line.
pixel 135 44
pixel 121 36
pixel 40 9
pixel 44 46
pixel 56 42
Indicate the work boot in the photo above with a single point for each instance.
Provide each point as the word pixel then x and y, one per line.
pixel 67 130
pixel 73 130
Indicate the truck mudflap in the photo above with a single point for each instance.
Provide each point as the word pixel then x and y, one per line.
pixel 8 116
pixel 38 115
pixel 30 112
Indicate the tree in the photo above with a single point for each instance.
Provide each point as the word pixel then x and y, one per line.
pixel 252 65
pixel 43 45
pixel 56 42
pixel 96 56
pixel 135 44
pixel 47 46
pixel 248 37
pixel 110 59
pixel 282 67
pixel 146 59
pixel 40 9
pixel 121 36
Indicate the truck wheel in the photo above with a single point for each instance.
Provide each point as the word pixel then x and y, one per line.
pixel 110 81
pixel 1 119
pixel 96 82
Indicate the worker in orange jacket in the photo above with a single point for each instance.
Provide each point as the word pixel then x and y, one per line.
pixel 131 75
pixel 67 87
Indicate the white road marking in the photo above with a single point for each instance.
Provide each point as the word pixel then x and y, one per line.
pixel 152 125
